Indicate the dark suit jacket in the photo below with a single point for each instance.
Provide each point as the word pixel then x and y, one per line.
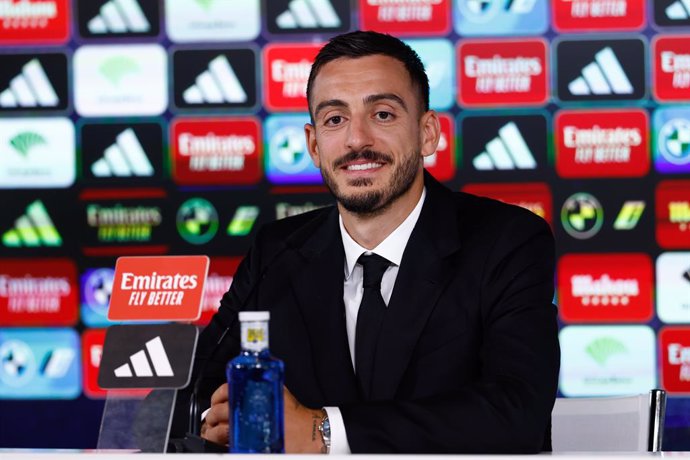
pixel 468 356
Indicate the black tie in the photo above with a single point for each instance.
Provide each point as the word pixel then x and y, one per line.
pixel 369 319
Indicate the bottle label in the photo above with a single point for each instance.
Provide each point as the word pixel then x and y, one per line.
pixel 254 335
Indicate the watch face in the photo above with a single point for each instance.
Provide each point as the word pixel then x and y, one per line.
pixel 325 429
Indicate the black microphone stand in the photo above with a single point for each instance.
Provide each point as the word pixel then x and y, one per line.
pixel 193 442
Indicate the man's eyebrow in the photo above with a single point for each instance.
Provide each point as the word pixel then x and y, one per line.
pixel 371 99
pixel 329 103
pixel 385 96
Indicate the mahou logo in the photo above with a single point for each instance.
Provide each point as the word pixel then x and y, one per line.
pixel 441 164
pixel 535 196
pixel 673 214
pixel 671 76
pixel 605 288
pixel 34 21
pixel 406 17
pixel 602 143
pixel 38 292
pixel 502 72
pixel 287 71
pixel 581 15
pixel 675 351
pixel 222 151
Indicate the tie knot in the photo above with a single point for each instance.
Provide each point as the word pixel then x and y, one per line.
pixel 374 267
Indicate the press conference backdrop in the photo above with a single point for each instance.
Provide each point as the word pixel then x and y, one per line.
pixel 135 127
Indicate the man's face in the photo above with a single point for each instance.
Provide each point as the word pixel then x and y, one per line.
pixel 369 133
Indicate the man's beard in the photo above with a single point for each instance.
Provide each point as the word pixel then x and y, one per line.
pixel 373 202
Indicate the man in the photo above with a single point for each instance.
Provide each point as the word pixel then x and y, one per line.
pixel 463 356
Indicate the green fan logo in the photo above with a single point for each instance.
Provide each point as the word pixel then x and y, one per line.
pixel 603 348
pixel 197 221
pixel 118 67
pixel 205 4
pixel 24 142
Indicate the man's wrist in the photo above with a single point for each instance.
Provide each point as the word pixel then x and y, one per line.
pixel 316 437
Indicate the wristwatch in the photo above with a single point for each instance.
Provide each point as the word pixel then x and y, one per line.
pixel 325 430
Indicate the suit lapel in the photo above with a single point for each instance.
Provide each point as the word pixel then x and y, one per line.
pixel 424 272
pixel 318 286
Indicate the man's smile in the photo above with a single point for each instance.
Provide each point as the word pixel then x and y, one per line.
pixel 363 167
pixel 362 162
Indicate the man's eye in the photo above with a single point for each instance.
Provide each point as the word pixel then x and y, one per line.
pixel 384 115
pixel 334 120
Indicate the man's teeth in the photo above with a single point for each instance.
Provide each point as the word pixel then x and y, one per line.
pixel 363 166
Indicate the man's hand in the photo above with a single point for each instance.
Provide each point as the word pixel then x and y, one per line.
pixel 301 423
pixel 301 427
pixel 216 425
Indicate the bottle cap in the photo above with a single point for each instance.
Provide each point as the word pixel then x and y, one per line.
pixel 255 316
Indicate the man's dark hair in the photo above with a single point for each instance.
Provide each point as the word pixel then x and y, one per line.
pixel 359 44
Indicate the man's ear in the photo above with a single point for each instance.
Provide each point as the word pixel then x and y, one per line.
pixel 312 146
pixel 430 132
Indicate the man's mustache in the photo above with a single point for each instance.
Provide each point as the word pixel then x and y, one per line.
pixel 368 155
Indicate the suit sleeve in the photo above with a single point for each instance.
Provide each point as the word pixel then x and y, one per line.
pixel 508 408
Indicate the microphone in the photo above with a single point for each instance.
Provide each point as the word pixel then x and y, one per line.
pixel 192 442
pixel 194 416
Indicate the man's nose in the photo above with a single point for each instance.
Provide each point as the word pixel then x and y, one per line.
pixel 359 135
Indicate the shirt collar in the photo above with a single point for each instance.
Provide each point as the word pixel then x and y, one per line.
pixel 391 248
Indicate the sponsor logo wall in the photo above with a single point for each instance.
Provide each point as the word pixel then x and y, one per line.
pixel 137 127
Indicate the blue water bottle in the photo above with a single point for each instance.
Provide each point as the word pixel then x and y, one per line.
pixel 255 380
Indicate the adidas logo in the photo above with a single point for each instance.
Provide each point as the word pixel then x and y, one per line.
pixel 119 16
pixel 126 157
pixel 603 76
pixel 308 14
pixel 31 88
pixel 140 362
pixel 679 9
pixel 216 85
pixel 507 151
pixel 33 229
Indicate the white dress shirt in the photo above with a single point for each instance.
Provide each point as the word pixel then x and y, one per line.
pixel 392 249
